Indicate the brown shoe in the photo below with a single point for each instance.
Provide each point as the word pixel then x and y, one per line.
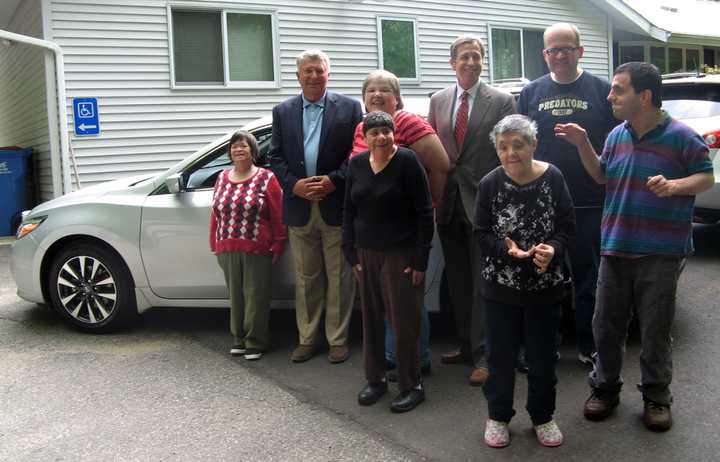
pixel 302 353
pixel 657 417
pixel 338 354
pixel 455 357
pixel 479 376
pixel 600 406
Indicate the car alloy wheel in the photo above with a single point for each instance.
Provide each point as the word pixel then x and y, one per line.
pixel 87 289
pixel 91 287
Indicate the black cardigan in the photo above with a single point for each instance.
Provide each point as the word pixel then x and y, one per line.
pixel 389 210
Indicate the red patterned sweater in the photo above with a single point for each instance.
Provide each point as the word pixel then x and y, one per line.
pixel 246 216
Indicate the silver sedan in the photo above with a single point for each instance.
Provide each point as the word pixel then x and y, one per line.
pixel 104 254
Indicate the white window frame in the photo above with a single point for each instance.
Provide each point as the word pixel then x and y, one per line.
pixel 381 64
pixel 491 70
pixel 646 51
pixel 224 9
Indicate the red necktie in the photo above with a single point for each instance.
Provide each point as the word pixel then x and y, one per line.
pixel 461 121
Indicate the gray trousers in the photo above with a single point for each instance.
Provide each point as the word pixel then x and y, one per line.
pixel 249 281
pixel 648 285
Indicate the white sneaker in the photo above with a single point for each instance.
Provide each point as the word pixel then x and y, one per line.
pixel 549 434
pixel 237 350
pixel 497 434
pixel 253 354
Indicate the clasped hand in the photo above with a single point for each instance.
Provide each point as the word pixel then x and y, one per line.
pixel 542 254
pixel 314 188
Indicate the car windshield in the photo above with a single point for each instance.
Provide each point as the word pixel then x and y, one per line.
pixel 691 108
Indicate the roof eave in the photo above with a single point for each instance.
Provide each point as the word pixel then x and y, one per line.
pixel 635 21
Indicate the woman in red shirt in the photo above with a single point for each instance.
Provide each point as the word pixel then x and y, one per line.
pixel 247 235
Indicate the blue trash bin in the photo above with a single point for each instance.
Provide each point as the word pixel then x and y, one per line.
pixel 13 187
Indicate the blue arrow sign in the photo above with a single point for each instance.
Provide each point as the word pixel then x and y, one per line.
pixel 86 116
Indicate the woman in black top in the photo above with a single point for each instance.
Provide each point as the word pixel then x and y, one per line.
pixel 387 231
pixel 524 221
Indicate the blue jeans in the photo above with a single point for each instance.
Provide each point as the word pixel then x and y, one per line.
pixel 424 340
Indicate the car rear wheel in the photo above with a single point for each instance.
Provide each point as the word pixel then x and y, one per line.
pixel 90 286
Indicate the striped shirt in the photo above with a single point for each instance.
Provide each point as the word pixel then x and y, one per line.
pixel 635 221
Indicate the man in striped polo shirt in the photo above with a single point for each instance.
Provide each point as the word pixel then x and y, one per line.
pixel 652 167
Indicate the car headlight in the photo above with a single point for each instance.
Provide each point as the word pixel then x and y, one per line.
pixel 28 226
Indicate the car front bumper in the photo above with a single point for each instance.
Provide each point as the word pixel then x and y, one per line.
pixel 25 269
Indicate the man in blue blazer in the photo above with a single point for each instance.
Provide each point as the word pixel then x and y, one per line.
pixel 312 137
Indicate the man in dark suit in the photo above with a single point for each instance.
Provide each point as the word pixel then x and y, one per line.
pixel 312 137
pixel 463 115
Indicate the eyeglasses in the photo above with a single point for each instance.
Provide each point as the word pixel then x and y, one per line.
pixel 555 51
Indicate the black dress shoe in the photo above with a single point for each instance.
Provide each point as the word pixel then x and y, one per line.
pixel 371 393
pixel 407 400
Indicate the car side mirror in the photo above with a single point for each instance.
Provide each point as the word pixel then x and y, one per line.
pixel 175 183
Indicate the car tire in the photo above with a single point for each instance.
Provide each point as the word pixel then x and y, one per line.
pixel 90 286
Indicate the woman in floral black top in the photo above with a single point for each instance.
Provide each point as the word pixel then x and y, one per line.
pixel 524 221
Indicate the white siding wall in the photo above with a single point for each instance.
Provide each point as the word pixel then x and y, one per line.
pixel 23 117
pixel 118 52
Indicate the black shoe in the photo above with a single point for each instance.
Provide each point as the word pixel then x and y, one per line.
pixel 407 400
pixel 371 393
pixel 392 373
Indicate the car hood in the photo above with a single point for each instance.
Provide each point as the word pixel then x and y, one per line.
pixel 92 192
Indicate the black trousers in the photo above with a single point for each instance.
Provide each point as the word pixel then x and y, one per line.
pixel 506 326
pixel 462 266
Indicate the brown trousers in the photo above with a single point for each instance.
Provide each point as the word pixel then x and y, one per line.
pixel 385 288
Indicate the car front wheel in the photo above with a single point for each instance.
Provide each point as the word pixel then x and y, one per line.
pixel 91 287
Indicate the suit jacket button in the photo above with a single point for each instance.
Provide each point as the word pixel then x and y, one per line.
pixel 302 163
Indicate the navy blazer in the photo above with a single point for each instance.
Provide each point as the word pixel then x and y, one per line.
pixel 287 157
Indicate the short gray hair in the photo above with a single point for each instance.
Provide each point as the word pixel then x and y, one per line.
pixel 385 76
pixel 312 54
pixel 515 123
pixel 463 39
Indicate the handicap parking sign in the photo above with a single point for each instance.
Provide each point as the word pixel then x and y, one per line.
pixel 85 116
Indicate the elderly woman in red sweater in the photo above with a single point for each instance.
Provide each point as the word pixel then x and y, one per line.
pixel 248 236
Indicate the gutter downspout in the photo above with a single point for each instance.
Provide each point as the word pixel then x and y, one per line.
pixel 62 105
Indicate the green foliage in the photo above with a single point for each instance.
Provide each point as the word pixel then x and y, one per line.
pixel 398 43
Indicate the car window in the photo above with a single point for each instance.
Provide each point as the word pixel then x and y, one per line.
pixel 202 175
pixel 701 92
pixel 691 109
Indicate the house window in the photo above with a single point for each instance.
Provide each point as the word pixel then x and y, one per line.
pixel 667 59
pixel 212 48
pixel 632 53
pixel 516 53
pixel 397 47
